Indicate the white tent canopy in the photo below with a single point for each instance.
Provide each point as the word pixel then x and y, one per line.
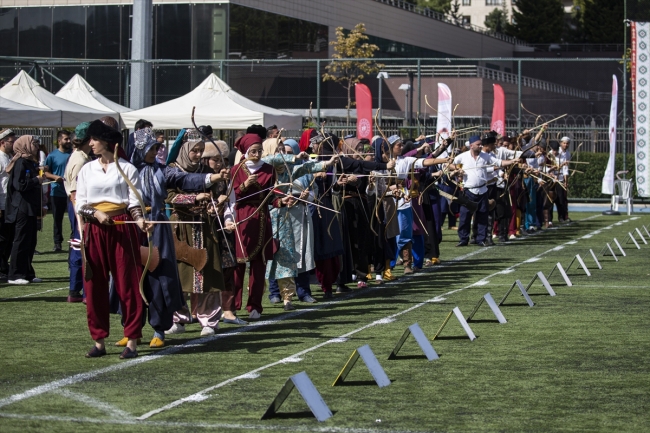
pixel 14 114
pixel 78 90
pixel 23 89
pixel 216 105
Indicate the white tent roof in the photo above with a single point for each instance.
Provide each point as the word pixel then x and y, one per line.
pixel 78 90
pixel 23 89
pixel 216 105
pixel 14 114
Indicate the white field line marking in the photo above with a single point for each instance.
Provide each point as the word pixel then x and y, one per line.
pixel 385 320
pixel 189 425
pixel 34 294
pixel 70 380
pixel 94 403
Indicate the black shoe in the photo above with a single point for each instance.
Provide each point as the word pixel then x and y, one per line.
pixel 342 289
pixel 461 244
pixel 95 352
pixel 503 239
pixel 236 321
pixel 483 244
pixel 128 353
pixel 472 241
pixel 490 242
pixel 57 248
pixel 37 253
pixel 309 299
pixel 328 295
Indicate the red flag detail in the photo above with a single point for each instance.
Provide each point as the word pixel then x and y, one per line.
pixel 499 110
pixel 364 111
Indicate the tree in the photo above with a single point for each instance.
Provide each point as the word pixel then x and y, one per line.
pixel 603 21
pixel 497 20
pixel 442 6
pixel 537 21
pixel 455 12
pixel 349 72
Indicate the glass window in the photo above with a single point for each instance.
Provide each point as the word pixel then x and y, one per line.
pixel 258 34
pixel 172 31
pixel 125 30
pixel 8 32
pixel 103 32
pixel 35 32
pixel 467 2
pixel 492 2
pixel 69 32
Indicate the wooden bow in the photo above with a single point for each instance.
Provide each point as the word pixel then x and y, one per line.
pixel 143 206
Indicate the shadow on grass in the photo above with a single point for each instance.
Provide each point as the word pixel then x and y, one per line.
pixel 483 320
pixel 454 337
pixel 360 383
pixel 296 415
pixel 405 357
pixel 60 299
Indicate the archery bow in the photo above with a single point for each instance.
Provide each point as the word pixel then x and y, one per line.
pixel 143 206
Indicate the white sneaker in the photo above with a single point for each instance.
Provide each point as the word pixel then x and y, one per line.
pixel 177 328
pixel 379 278
pixel 512 237
pixel 36 280
pixel 254 315
pixel 18 281
pixel 495 236
pixel 207 331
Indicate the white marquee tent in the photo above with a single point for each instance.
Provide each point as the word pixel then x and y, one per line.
pixel 216 105
pixel 80 92
pixel 24 90
pixel 14 114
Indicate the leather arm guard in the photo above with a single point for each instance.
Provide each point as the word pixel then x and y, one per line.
pixel 136 213
pixel 87 212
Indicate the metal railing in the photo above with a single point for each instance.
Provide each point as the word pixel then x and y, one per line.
pixel 429 13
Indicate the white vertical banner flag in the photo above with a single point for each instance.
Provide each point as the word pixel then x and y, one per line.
pixel 641 103
pixel 443 127
pixel 608 179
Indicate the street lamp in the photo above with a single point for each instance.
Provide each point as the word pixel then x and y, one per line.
pixel 405 87
pixel 381 76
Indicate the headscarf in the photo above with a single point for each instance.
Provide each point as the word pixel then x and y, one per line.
pixel 305 137
pixel 183 160
pixel 24 147
pixel 245 143
pixel 350 146
pixel 380 146
pixel 329 145
pixel 269 146
pixel 152 179
pixel 81 131
pixel 295 148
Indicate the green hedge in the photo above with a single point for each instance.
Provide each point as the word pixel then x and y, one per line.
pixel 589 183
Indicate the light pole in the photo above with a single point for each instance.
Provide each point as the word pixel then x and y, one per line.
pixel 405 87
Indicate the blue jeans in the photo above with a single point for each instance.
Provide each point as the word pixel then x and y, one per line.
pixel 274 288
pixel 405 219
pixel 418 251
pixel 74 257
pixel 531 206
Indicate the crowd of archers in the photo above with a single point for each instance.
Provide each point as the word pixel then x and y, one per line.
pixel 167 233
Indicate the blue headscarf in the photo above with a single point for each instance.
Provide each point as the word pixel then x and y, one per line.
pixel 380 146
pixel 295 147
pixel 152 179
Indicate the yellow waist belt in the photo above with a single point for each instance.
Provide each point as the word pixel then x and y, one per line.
pixel 109 207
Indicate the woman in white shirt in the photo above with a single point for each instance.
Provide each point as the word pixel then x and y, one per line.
pixel 104 200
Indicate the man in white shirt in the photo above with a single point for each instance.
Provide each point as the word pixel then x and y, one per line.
pixel 502 209
pixel 562 202
pixel 474 166
pixel 7 138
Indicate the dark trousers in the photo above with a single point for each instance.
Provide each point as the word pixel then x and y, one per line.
pixel 23 247
pixel 434 228
pixel 255 284
pixel 561 202
pixel 74 257
pixel 481 216
pixel 59 206
pixel 302 286
pixel 6 241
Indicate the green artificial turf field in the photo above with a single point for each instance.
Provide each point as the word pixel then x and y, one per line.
pixel 574 362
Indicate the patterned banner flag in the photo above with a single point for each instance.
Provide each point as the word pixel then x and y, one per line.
pixel 499 110
pixel 641 103
pixel 364 110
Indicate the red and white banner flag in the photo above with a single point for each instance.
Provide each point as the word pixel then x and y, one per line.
pixel 443 126
pixel 499 111
pixel 364 111
pixel 608 178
